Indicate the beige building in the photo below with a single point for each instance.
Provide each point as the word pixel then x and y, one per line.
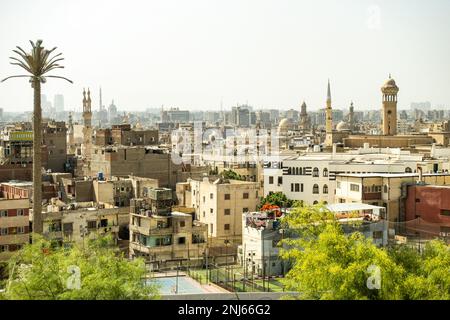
pixel 80 221
pixel 164 237
pixel 220 204
pixel 148 162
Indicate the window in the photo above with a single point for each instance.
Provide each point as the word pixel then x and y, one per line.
pixel 385 188
pixel 181 240
pixel 354 187
pixel 297 187
pixel 3 213
pixel 408 170
pixel 292 187
pixel 20 229
pixel 227 196
pixel 280 180
pixel 245 210
pixel 301 187
pixel 204 214
pixel 211 210
pixel 315 172
pixel 20 212
pixel 103 223
pixel 3 231
pixel 378 235
pixel 212 227
pixel 182 224
pixel 204 199
pixel 257 194
pixel 245 195
pixel 211 196
pixel 325 189
pixel 315 202
pixel 445 212
pixel 338 185
pixel 325 172
pixel 227 212
pixel 68 227
pixel 316 189
pixel 226 226
pixel 3 248
pixel 92 224
pixel 270 180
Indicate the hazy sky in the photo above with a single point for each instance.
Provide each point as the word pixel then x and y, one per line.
pixel 271 53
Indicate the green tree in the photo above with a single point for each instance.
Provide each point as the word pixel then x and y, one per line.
pixel 43 271
pixel 279 199
pixel 427 273
pixel 328 264
pixel 232 175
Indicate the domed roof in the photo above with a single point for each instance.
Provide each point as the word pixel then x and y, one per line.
pixel 342 126
pixel 390 84
pixel 284 125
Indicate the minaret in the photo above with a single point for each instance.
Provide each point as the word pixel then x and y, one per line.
pixel 304 121
pixel 71 135
pixel 389 90
pixel 87 129
pixel 351 117
pixel 329 119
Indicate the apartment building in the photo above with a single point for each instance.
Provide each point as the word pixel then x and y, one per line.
pixel 78 222
pixel 219 203
pixel 164 237
pixel 14 225
pixel 149 162
pixel 123 134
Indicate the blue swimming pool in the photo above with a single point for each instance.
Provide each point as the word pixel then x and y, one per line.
pixel 167 285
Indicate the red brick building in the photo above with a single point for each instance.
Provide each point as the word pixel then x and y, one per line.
pixel 429 206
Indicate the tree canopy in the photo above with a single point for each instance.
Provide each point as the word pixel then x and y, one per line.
pixel 329 264
pixel 46 271
pixel 232 175
pixel 278 199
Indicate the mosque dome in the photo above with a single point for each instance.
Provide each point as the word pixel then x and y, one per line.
pixel 342 126
pixel 284 125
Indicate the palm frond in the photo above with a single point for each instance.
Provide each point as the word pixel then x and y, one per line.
pixel 59 77
pixel 19 76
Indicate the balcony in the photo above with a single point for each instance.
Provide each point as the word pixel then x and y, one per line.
pixel 371 196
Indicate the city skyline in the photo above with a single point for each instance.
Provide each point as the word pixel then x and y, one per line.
pixel 204 54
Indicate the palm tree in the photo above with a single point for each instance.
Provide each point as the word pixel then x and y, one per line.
pixel 37 64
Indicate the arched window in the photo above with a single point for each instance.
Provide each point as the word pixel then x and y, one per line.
pixel 316 189
pixel 315 172
pixel 408 170
pixel 325 189
pixel 300 171
pixel 325 172
pixel 385 188
pixel 315 202
pixel 325 202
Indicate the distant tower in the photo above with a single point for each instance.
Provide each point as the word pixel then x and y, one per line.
pixel 100 107
pixel 389 90
pixel 87 129
pixel 329 119
pixel 71 135
pixel 351 116
pixel 304 120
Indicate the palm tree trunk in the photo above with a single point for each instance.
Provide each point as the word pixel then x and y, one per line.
pixel 37 159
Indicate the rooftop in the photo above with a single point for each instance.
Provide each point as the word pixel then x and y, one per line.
pixel 389 175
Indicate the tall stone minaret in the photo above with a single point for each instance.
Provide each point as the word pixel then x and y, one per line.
pixel 87 129
pixel 389 91
pixel 329 119
pixel 71 135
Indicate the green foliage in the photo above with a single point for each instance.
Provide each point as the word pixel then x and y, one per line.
pixel 231 175
pixel 279 199
pixel 329 264
pixel 40 271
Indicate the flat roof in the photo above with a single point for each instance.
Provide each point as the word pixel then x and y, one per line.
pixel 389 175
pixel 348 207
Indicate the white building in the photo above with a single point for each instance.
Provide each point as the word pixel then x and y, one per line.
pixel 311 177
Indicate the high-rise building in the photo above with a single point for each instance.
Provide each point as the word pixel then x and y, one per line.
pixel 58 103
